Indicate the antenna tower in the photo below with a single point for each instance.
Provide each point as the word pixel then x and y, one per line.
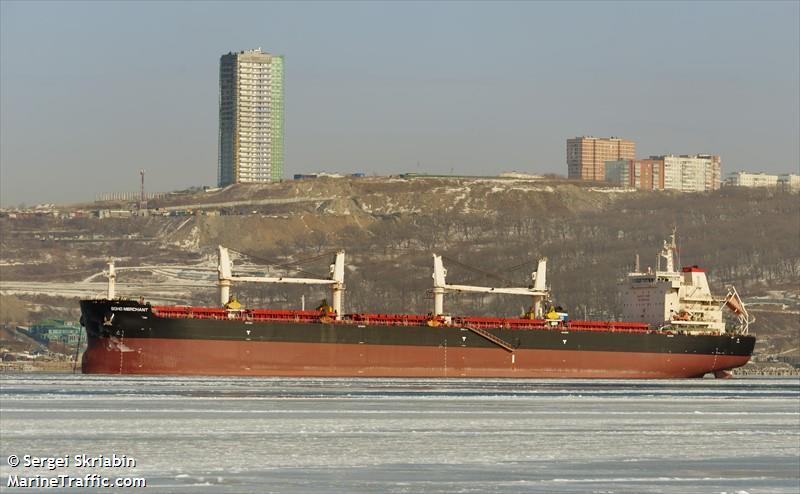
pixel 142 198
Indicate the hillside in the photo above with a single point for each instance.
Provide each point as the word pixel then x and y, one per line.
pixel 390 226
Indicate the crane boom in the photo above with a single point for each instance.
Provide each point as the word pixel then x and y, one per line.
pixel 538 291
pixel 336 281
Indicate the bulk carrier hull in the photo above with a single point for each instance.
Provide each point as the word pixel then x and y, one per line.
pixel 125 337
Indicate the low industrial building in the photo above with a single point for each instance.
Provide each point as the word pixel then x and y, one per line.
pixel 748 179
pixel 56 330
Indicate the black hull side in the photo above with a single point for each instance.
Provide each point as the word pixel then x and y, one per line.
pixel 133 321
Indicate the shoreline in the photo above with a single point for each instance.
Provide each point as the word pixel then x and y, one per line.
pixel 753 369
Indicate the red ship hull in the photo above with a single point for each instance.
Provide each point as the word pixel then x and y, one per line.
pixel 236 358
pixel 129 338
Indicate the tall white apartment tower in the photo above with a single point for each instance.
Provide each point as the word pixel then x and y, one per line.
pixel 250 118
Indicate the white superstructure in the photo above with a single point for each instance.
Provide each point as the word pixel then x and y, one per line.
pixel 678 299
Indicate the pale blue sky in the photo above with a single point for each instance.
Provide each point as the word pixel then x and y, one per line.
pixel 92 91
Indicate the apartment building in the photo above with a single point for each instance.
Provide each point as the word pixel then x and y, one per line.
pixel 587 156
pixel 686 173
pixel 691 173
pixel 636 174
pixel 250 118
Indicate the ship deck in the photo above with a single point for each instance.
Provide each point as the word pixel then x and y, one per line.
pixel 313 316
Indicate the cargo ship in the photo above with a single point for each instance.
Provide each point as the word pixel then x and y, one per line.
pixel 673 328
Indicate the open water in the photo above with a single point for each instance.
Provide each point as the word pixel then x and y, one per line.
pixel 239 435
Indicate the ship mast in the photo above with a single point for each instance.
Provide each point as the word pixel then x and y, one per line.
pixel 336 280
pixel 667 253
pixel 111 274
pixel 538 292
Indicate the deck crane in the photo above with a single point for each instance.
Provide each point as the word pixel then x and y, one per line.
pixel 336 280
pixel 538 291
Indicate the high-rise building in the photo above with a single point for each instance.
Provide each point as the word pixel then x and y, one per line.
pixel 250 118
pixel 586 156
